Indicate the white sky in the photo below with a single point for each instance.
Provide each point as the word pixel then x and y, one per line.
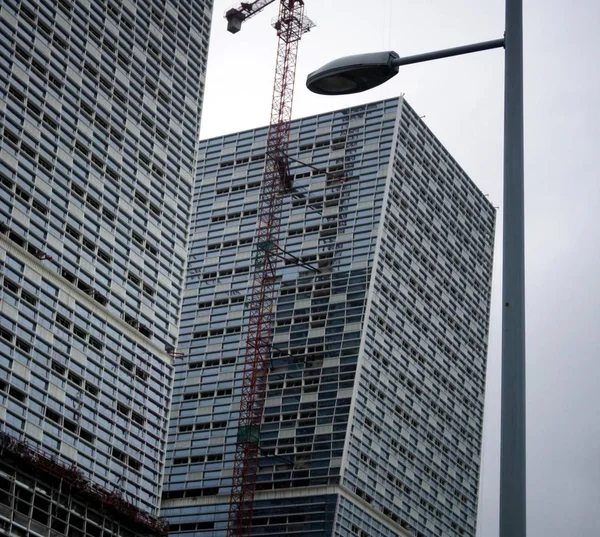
pixel 462 101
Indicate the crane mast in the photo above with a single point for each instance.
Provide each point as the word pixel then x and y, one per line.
pixel 290 26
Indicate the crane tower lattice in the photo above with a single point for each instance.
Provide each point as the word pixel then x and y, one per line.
pixel 290 25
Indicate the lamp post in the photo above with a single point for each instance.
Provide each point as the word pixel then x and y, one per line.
pixel 354 74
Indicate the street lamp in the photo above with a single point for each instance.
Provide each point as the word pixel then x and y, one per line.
pixel 353 74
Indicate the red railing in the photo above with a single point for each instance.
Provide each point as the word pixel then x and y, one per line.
pixel 37 460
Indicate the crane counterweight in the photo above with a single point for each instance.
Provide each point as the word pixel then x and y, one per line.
pixel 234 20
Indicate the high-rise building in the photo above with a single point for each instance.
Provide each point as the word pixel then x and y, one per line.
pixel 374 406
pixel 100 105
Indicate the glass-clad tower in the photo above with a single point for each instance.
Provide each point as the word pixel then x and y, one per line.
pixel 100 105
pixel 373 416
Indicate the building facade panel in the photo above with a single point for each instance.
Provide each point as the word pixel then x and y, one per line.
pixel 423 362
pixel 100 106
pixel 381 316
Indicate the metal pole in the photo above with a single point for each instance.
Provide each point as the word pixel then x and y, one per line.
pixel 512 425
pixel 447 53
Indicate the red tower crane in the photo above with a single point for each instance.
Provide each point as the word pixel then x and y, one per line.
pixel 290 26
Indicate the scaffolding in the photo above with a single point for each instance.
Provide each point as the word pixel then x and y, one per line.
pixel 31 458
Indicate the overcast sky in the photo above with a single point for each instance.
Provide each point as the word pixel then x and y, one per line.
pixel 461 99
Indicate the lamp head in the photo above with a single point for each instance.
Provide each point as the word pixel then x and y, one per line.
pixel 353 74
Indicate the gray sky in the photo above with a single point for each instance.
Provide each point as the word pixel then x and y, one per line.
pixel 461 99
